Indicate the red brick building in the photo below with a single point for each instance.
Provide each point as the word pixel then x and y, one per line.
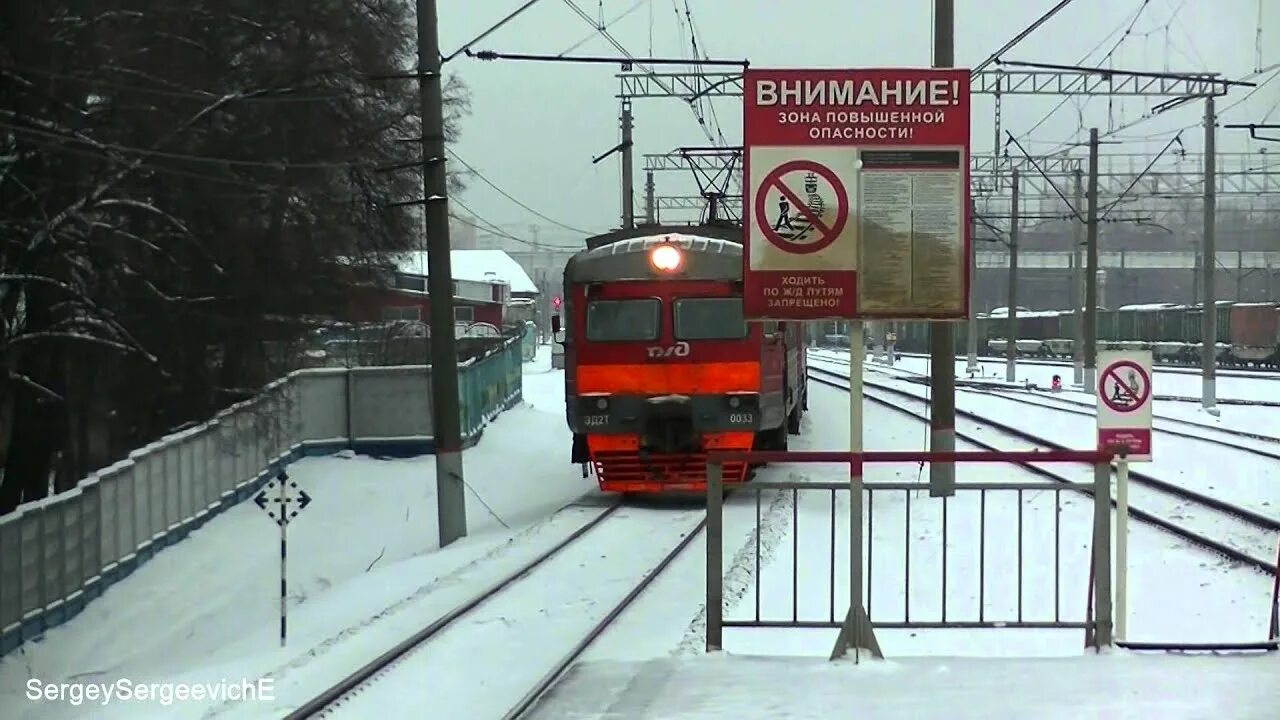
pixel 483 284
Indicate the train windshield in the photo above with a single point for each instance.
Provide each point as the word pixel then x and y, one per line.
pixel 623 320
pixel 709 319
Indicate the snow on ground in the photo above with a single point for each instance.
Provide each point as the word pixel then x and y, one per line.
pixel 208 608
pixel 1114 686
pixel 1262 387
pixel 1176 592
pixel 531 627
pixel 365 572
pixel 1193 463
pixel 1258 420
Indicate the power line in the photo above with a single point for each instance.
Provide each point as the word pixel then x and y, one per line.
pixel 490 227
pixel 129 149
pixel 508 196
pixel 622 49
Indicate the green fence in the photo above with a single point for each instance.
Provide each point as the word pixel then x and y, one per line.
pixel 489 385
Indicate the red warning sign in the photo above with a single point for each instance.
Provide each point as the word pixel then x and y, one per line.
pixel 1125 394
pixel 1124 403
pixel 798 226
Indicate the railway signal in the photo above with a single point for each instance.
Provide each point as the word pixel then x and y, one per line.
pixel 283 508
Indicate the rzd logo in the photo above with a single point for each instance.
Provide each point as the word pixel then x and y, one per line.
pixel 680 349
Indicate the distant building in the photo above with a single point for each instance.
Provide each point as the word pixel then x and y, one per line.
pixel 484 284
pixel 461 235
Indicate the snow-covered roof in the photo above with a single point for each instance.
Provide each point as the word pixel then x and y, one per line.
pixel 474 265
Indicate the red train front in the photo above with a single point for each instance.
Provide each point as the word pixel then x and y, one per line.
pixel 660 366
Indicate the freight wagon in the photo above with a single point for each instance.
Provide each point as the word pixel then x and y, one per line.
pixel 1248 334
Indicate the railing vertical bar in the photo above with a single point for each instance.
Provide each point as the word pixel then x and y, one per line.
pixel 756 578
pixel 906 556
pixel 831 615
pixel 982 555
pixel 1057 555
pixel 944 558
pixel 871 547
pixel 795 554
pixel 1019 555
pixel 715 556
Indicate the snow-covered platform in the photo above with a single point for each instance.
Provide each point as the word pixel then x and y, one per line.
pixel 1114 686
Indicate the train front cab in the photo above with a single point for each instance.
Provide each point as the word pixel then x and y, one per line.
pixel 659 373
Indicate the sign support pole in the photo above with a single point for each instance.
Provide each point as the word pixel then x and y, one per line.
pixel 856 632
pixel 1122 546
pixel 284 554
pixel 283 501
pixel 856 350
pixel 942 338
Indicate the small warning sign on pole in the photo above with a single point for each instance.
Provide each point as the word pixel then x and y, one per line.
pixel 1124 402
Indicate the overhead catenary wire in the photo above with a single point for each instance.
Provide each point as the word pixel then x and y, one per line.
pixel 1020 36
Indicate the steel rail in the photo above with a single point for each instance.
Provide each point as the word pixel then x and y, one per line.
pixel 1177 530
pixel 1077 408
pixel 1272 374
pixel 530 700
pixel 333 695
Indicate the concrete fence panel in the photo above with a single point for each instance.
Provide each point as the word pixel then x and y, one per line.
pixel 61 552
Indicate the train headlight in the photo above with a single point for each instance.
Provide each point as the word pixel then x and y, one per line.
pixel 602 404
pixel 734 402
pixel 666 258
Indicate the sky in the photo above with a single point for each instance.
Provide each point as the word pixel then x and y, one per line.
pixel 535 127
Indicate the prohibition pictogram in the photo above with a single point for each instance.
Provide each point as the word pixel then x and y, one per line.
pixel 808 232
pixel 1124 394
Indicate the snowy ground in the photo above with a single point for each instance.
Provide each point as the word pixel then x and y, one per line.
pixel 1192 463
pixel 364 567
pixel 365 572
pixel 1259 420
pixel 1116 686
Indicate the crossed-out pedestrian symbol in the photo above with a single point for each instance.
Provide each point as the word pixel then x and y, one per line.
pixel 1125 386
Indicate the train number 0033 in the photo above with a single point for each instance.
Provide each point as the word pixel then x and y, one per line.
pixel 741 418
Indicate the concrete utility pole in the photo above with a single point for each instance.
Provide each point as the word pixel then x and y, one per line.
pixel 1209 265
pixel 942 340
pixel 446 421
pixel 650 210
pixel 972 339
pixel 1091 271
pixel 1011 347
pixel 1077 277
pixel 628 177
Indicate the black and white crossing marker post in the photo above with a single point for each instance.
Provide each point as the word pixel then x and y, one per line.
pixel 283 515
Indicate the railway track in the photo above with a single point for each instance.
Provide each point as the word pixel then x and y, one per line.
pixel 1167 398
pixel 1165 424
pixel 1223 371
pixel 384 667
pixel 1250 543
